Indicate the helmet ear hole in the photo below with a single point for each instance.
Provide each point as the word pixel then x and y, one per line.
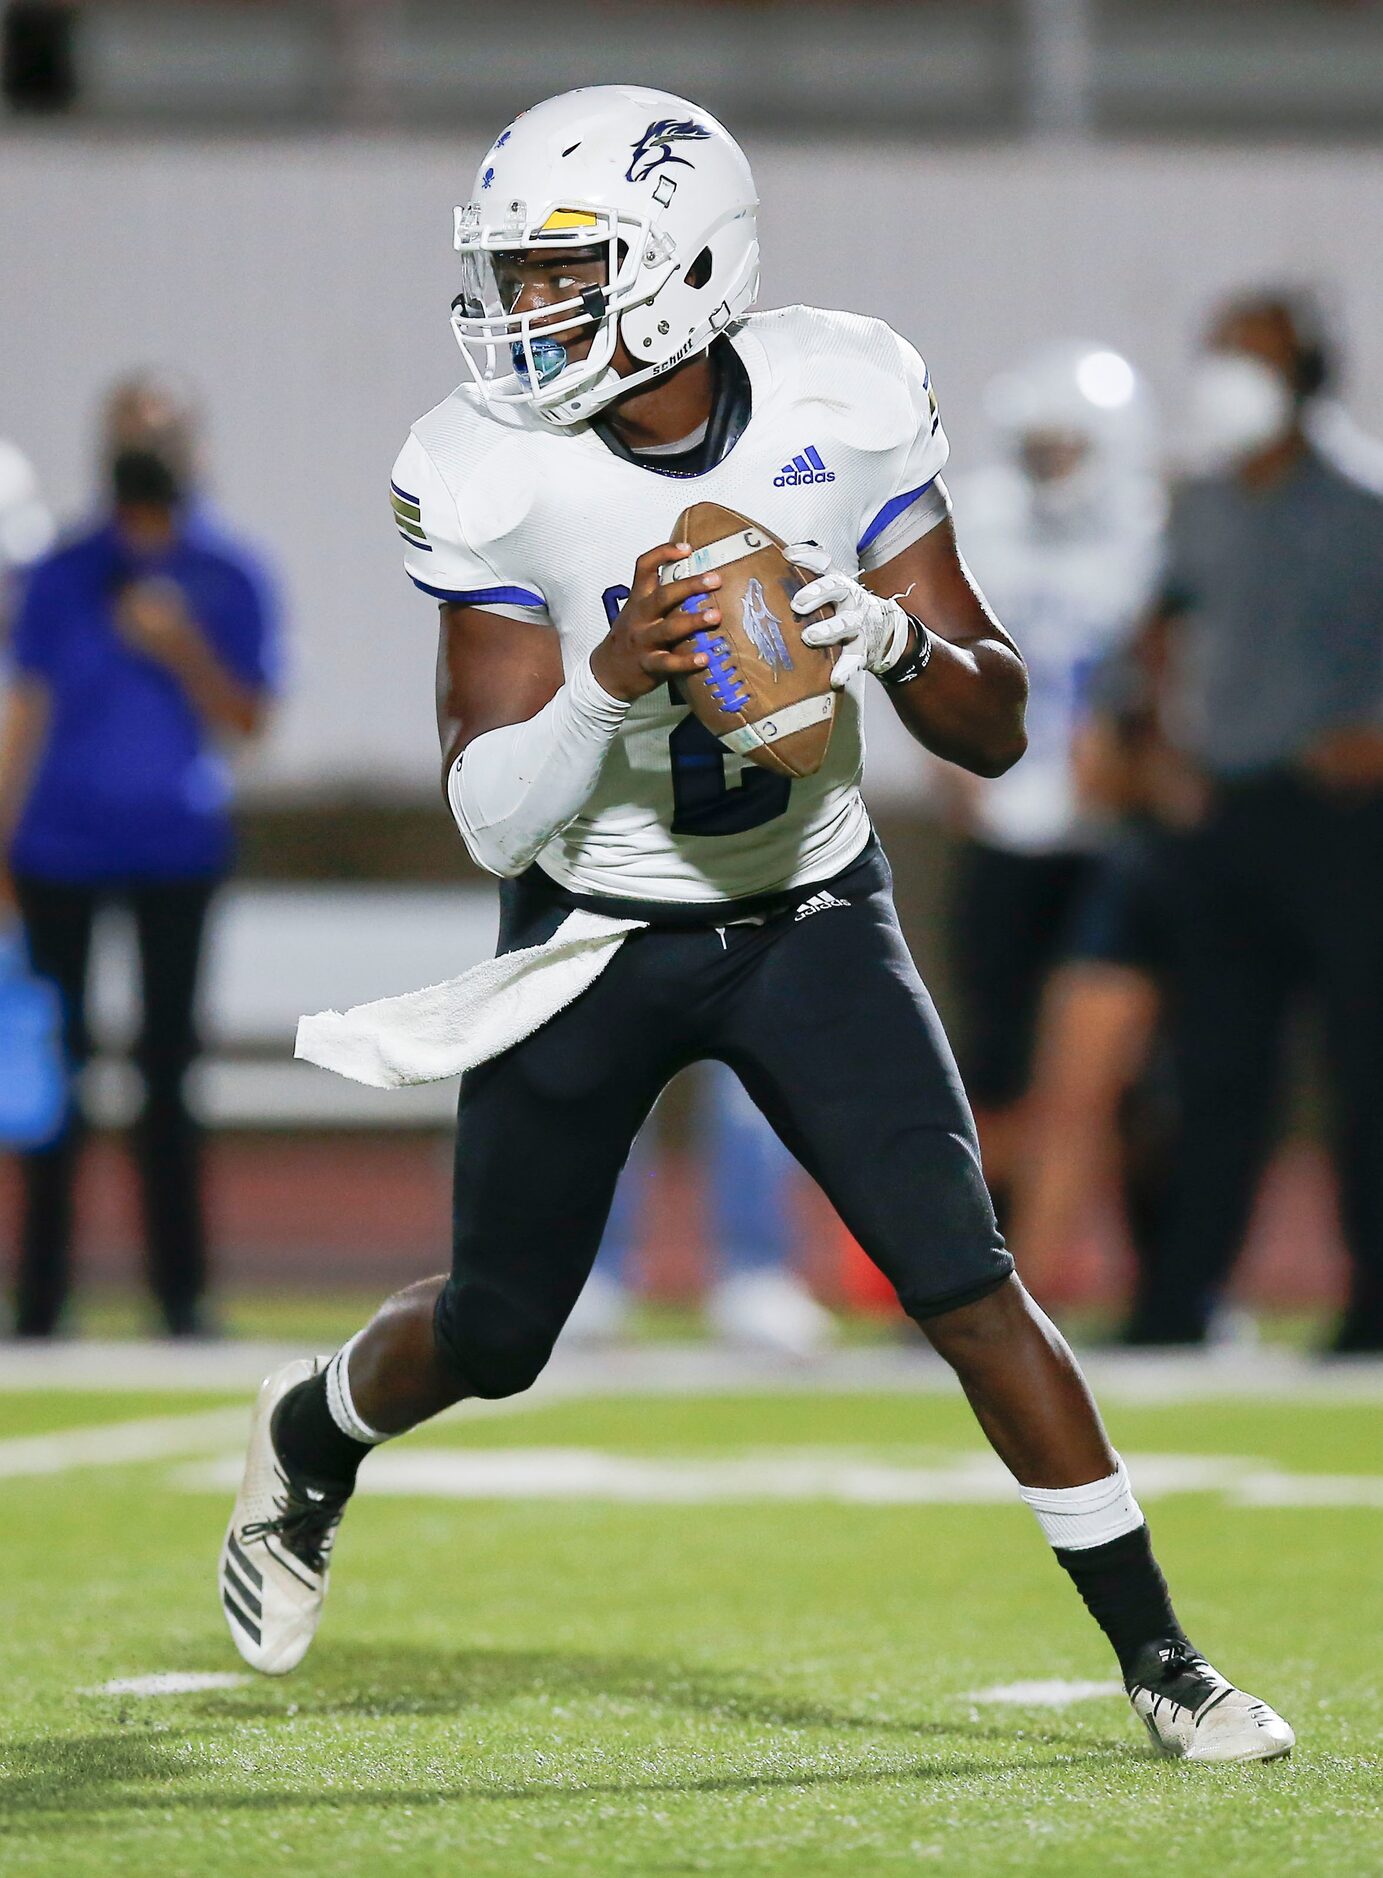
pixel 700 270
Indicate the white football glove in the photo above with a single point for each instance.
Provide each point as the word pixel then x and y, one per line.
pixel 871 631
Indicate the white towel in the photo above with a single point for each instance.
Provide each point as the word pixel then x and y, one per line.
pixel 446 1029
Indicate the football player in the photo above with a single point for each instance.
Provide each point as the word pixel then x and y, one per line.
pixel 609 264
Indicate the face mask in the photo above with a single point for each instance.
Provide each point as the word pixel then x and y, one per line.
pixel 144 479
pixel 1237 406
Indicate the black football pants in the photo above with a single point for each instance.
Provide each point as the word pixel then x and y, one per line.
pixel 819 1010
pixel 169 920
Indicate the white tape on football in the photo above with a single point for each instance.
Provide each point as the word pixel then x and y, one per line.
pixel 716 554
pixel 779 724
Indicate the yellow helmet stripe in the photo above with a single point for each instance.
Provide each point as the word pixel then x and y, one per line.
pixel 567 218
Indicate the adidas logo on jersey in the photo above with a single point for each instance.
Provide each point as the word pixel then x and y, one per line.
pixel 807 468
pixel 818 903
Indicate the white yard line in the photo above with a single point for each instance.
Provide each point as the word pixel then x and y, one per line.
pixel 700 1369
pixel 848 1475
pixel 107 1444
pixel 841 1475
pixel 153 1438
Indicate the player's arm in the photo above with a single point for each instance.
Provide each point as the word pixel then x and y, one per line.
pixel 967 698
pixel 958 682
pixel 522 746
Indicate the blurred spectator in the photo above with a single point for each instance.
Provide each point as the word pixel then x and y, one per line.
pixel 38 63
pixel 755 1299
pixel 1268 649
pixel 136 647
pixel 1062 533
pixel 1102 1105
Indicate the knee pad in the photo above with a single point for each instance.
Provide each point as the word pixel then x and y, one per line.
pixel 497 1347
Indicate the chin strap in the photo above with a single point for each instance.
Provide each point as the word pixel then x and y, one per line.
pixel 591 399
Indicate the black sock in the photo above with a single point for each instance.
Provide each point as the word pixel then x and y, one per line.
pixel 309 1441
pixel 1124 1591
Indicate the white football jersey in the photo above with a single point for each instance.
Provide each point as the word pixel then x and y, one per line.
pixel 500 510
pixel 1070 594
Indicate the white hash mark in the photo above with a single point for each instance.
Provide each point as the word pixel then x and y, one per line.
pixel 171 1682
pixel 1052 1693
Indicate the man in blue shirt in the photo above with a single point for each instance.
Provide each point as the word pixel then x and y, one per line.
pixel 139 651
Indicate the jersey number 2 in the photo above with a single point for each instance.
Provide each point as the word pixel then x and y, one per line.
pixel 703 802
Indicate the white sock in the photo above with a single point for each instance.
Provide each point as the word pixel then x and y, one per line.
pixel 1077 1518
pixel 343 1410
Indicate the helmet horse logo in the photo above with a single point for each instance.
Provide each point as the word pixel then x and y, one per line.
pixel 763 629
pixel 654 148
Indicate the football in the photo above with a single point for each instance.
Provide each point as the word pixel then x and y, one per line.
pixel 765 695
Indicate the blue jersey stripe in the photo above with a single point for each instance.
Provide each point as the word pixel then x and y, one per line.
pixel 890 512
pixel 482 596
pixel 403 492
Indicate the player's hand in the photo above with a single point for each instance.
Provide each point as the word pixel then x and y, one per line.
pixel 871 631
pixel 151 617
pixel 646 644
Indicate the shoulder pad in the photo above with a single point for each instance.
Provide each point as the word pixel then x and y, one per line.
pixel 490 469
pixel 871 378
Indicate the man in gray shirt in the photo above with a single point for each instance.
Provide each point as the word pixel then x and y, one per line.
pixel 1269 642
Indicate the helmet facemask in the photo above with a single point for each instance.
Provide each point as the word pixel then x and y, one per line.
pixel 616 262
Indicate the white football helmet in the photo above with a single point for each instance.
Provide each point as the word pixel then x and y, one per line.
pixel 654 180
pixel 1080 392
pixel 1078 387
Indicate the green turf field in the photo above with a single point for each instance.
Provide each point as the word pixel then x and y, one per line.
pixel 592 1685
